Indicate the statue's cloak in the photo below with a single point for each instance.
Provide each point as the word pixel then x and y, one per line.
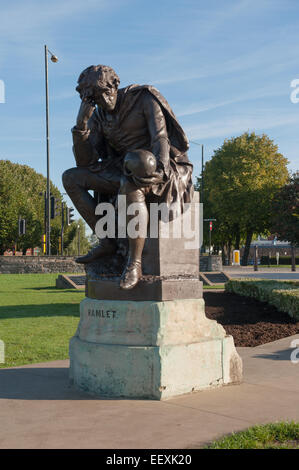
pixel 178 187
pixel 176 135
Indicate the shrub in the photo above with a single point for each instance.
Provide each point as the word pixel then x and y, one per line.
pixel 284 295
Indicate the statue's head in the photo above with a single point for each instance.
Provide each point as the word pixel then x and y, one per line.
pixel 98 84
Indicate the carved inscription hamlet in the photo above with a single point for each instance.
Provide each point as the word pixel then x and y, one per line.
pixel 102 313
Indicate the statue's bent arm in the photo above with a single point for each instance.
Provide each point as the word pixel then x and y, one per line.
pixel 88 145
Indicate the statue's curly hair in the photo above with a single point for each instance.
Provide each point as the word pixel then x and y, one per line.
pixel 101 75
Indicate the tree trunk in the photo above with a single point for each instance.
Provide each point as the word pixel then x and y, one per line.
pixel 247 247
pixel 229 252
pixel 237 243
pixel 223 254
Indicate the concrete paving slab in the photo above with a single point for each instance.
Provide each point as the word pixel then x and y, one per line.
pixel 39 409
pixel 252 403
pixel 259 368
pixel 106 424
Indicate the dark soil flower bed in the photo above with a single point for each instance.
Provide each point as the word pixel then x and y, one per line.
pixel 249 321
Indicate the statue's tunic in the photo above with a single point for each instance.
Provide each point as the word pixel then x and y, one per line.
pixel 142 119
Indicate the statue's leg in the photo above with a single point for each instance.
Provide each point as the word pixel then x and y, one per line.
pixel 77 182
pixel 133 270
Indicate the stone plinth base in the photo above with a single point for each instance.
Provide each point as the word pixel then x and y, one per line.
pixel 153 288
pixel 152 350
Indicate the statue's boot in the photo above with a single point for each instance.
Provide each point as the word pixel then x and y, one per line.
pixel 105 247
pixel 133 270
pixel 131 275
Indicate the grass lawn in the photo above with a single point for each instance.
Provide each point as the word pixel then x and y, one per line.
pixel 216 286
pixel 277 266
pixel 36 319
pixel 283 435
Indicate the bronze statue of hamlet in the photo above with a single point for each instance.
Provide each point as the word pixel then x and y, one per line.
pixel 126 141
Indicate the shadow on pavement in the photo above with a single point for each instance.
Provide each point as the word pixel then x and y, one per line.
pixel 38 384
pixel 283 355
pixel 41 384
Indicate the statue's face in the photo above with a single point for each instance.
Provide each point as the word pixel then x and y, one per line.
pixel 105 97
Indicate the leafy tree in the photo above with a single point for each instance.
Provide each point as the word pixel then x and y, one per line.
pixel 93 240
pixel 22 195
pixel 285 211
pixel 240 182
pixel 79 243
pixel 68 237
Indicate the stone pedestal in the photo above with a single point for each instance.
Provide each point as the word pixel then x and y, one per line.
pixel 153 288
pixel 152 350
pixel 153 341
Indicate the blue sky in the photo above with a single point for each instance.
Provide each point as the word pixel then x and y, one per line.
pixel 225 67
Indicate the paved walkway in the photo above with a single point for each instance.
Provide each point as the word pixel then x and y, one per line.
pixel 279 273
pixel 38 408
pixel 265 269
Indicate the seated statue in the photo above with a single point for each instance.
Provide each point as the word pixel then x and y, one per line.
pixel 126 141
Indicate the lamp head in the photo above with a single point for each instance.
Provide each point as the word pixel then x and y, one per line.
pixel 54 58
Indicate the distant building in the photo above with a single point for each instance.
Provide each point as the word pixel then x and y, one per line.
pixel 270 247
pixel 29 252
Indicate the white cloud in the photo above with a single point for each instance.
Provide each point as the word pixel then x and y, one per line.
pixel 235 125
pixel 251 95
pixel 271 50
pixel 27 26
pixel 21 17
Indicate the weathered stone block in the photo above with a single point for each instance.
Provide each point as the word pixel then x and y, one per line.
pixel 174 256
pixel 150 349
pixel 210 263
pixel 153 341
pixel 155 289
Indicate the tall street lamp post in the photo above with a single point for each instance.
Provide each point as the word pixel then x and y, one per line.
pixel 202 168
pixel 48 215
pixel 78 232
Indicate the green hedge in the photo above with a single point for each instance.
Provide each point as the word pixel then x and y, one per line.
pixel 284 295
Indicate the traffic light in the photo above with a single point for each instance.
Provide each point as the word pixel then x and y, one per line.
pixel 22 226
pixel 54 207
pixel 69 215
pixel 44 244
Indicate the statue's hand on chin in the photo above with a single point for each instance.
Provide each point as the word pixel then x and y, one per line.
pixel 85 112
